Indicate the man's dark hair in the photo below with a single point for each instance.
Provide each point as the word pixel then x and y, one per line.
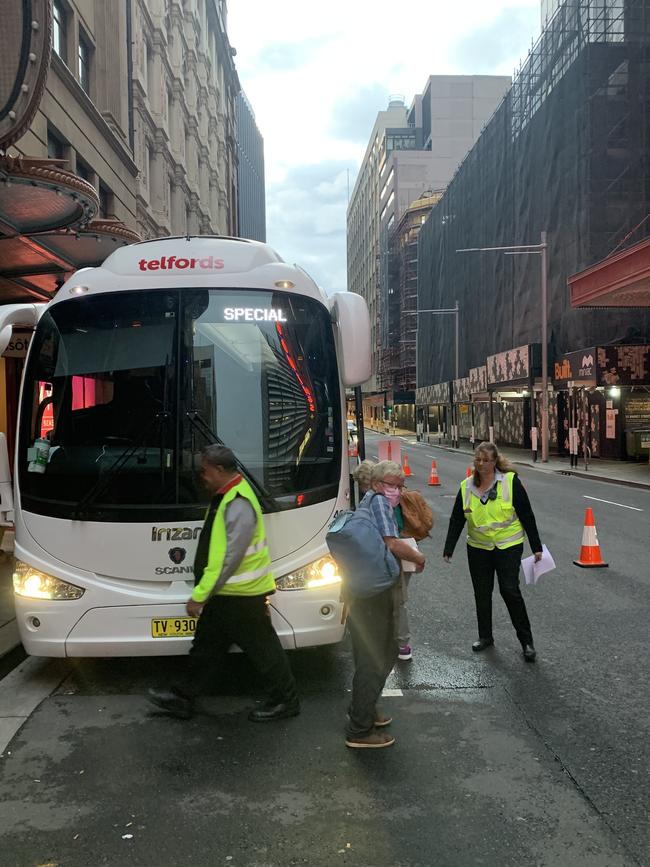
pixel 219 456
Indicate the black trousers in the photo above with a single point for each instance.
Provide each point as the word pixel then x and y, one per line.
pixel 374 646
pixel 506 562
pixel 245 621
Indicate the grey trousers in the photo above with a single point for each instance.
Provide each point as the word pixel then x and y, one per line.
pixel 374 646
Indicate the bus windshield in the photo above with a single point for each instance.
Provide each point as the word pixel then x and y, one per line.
pixel 122 390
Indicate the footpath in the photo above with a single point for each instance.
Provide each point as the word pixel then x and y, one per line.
pixel 631 473
pixel 8 630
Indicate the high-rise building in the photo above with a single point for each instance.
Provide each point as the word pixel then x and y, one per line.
pixel 563 162
pixel 410 151
pixel 184 90
pixel 399 326
pixel 251 196
pixel 548 9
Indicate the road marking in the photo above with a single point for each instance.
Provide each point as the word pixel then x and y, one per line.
pixel 392 693
pixel 622 505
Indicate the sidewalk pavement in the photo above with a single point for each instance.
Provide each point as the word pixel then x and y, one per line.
pixel 631 473
pixel 8 630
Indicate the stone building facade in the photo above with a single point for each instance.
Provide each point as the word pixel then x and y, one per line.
pixel 84 118
pixel 184 90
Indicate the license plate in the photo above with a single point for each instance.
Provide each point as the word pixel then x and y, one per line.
pixel 173 627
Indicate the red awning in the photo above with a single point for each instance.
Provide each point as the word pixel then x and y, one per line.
pixel 622 280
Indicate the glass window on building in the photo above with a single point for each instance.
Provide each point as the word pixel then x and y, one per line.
pixel 83 62
pixel 106 202
pixel 55 146
pixel 84 171
pixel 150 167
pixel 59 22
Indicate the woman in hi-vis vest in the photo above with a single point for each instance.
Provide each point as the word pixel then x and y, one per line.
pixel 497 510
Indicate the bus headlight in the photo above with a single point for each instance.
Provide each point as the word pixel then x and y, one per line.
pixel 35 584
pixel 320 573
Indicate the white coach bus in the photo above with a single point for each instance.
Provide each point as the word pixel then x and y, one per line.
pixel 132 369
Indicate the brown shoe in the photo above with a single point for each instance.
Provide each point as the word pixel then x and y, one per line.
pixel 373 741
pixel 382 719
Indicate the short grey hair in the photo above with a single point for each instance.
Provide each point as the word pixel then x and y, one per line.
pixel 386 468
pixel 363 473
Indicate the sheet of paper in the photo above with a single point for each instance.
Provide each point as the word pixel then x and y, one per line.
pixel 532 570
pixel 407 566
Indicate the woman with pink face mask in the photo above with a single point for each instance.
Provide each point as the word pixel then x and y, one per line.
pixel 372 620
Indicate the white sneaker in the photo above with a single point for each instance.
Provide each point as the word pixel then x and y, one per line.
pixel 405 653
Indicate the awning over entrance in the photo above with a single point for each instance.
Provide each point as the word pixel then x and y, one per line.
pixel 622 280
pixel 46 228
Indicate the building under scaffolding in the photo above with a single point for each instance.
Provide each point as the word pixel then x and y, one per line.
pixel 398 357
pixel 565 153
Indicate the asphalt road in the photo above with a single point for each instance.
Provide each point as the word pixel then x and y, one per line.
pixel 497 763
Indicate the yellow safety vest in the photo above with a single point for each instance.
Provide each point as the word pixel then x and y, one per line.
pixel 495 524
pixel 253 576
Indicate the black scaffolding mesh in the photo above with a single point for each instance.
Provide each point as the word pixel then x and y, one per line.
pixel 566 153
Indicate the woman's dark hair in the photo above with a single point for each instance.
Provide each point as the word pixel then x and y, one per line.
pixel 219 456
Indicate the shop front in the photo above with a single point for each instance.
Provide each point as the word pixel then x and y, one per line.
pixel 434 403
pixel 514 389
pixel 604 402
pixel 615 419
pixel 480 406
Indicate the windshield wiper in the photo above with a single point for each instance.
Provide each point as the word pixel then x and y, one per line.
pixel 266 499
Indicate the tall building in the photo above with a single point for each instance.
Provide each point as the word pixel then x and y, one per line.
pixel 184 90
pixel 410 150
pixel 251 193
pixel 398 357
pixel 363 222
pixel 84 118
pixel 549 8
pixel 566 154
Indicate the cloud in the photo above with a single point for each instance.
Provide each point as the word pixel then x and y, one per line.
pixel 290 55
pixel 354 117
pixel 499 42
pixel 306 221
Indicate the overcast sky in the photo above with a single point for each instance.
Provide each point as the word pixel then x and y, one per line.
pixel 317 74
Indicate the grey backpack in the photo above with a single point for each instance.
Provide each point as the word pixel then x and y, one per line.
pixel 367 566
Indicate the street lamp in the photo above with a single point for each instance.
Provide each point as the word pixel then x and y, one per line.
pixel 442 311
pixel 541 250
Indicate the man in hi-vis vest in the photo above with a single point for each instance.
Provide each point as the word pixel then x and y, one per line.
pixel 233 579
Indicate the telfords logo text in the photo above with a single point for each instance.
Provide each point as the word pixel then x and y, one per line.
pixel 172 263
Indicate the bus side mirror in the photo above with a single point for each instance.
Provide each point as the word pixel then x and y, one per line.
pixel 352 321
pixel 25 315
pixel 6 490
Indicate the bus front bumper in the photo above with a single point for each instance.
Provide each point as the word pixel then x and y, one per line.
pixel 67 629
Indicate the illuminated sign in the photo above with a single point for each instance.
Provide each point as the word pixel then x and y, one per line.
pixel 172 263
pixel 254 314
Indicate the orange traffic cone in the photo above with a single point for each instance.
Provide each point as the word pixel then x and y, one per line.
pixel 405 466
pixel 470 471
pixel 590 550
pixel 433 475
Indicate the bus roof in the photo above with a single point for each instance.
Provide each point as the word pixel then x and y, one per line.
pixel 206 261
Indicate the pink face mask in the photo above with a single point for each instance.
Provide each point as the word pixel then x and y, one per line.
pixel 392 493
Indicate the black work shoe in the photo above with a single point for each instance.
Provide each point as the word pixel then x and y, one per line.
pixel 482 644
pixel 270 712
pixel 171 702
pixel 529 653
